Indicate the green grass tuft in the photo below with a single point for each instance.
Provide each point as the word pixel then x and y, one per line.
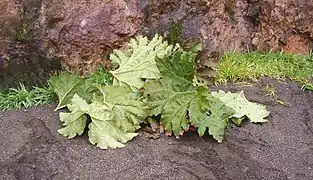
pixel 21 97
pixel 101 76
pixel 254 65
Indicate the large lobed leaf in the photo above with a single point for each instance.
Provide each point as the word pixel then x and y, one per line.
pixel 237 101
pixel 171 95
pixel 175 94
pixel 103 130
pixel 139 61
pixel 216 120
pixel 209 113
pixel 66 85
pixel 74 122
pixel 128 110
pixel 115 116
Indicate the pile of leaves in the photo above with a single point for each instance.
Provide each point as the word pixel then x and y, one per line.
pixel 154 80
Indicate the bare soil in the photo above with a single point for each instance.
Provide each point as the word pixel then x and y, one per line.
pixel 280 149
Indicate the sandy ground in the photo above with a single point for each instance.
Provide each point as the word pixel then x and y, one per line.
pixel 280 149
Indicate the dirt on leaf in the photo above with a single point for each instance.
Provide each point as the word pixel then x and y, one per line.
pixel 282 148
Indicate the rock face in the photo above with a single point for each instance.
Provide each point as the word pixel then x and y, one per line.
pixel 239 25
pixel 220 25
pixel 286 25
pixel 23 57
pixel 38 36
pixel 80 31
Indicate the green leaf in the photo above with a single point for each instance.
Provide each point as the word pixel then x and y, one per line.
pixel 115 116
pixel 66 85
pixel 171 95
pixel 139 61
pixel 103 130
pixel 207 112
pixel 105 134
pixel 128 110
pixel 171 102
pixel 74 122
pixel 178 67
pixel 215 119
pixel 199 107
pixel 237 101
pixel 174 115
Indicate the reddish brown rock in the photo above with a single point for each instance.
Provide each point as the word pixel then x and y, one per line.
pixel 79 31
pixel 297 44
pixel 36 34
pixel 221 25
pixel 285 25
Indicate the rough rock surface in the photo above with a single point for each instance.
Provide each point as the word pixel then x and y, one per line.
pixel 23 57
pixel 31 148
pixel 220 25
pixel 285 24
pixel 37 34
pixel 80 31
